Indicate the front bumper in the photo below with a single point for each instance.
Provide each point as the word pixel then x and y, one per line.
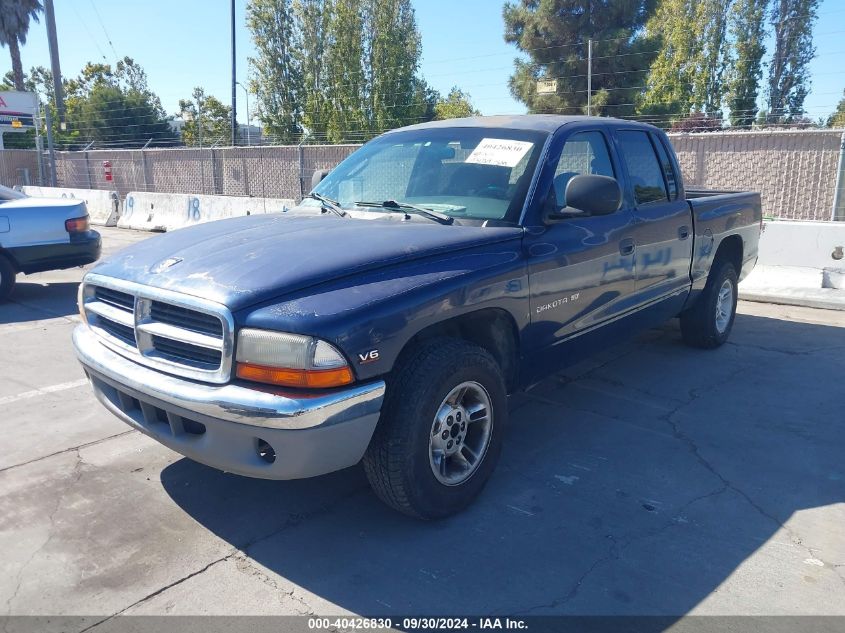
pixel 230 426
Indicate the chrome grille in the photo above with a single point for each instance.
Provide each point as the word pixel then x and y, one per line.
pixel 176 333
pixel 182 317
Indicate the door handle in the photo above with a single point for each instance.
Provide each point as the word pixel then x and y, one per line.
pixel 683 232
pixel 626 246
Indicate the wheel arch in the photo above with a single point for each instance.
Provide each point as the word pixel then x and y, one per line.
pixel 730 249
pixel 493 329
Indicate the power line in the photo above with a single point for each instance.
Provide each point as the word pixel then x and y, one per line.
pixel 100 20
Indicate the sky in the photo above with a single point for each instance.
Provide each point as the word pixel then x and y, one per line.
pixel 185 43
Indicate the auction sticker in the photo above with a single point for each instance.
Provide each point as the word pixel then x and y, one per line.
pixel 499 151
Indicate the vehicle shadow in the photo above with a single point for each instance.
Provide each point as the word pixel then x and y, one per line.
pixel 639 486
pixel 33 301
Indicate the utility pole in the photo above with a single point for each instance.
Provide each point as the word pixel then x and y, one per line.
pixel 589 75
pixel 234 83
pixel 246 96
pixel 50 147
pixel 53 43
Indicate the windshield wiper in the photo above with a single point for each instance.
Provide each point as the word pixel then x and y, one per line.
pixel 393 205
pixel 328 204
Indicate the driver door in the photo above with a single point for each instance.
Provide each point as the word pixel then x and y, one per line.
pixel 581 269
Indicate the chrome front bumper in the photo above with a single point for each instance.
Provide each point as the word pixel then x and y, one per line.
pixel 309 435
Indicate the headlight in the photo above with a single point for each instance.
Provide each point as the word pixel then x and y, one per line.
pixel 290 360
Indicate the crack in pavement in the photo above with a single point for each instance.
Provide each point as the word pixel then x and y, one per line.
pixel 292 521
pixel 245 565
pixel 77 471
pixel 618 546
pixel 68 450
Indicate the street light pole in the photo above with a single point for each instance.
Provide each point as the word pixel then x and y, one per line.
pixel 246 97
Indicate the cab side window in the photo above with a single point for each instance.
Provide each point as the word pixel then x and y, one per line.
pixel 644 170
pixel 583 153
pixel 668 169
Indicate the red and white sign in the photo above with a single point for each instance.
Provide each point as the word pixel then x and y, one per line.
pixel 17 110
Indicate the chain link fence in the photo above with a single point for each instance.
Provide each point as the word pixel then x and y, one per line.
pixel 797 172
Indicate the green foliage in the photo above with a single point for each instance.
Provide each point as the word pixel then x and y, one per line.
pixel 313 18
pixel 457 104
pixel 346 84
pixel 554 34
pixel 277 79
pixel 837 119
pixel 748 32
pixel 336 70
pixel 689 71
pixel 789 72
pixel 392 48
pixel 114 107
pixel 207 120
pixel 14 25
pixel 109 106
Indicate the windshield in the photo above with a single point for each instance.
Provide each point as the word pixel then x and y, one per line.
pixel 474 173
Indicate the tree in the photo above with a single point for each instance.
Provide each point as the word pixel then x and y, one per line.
pixel 392 48
pixel 748 32
pixel 14 25
pixel 313 19
pixel 554 36
pixel 114 107
pixel 207 119
pixel 276 70
pixel 456 104
pixel 688 72
pixel 789 70
pixel 837 119
pixel 336 70
pixel 345 73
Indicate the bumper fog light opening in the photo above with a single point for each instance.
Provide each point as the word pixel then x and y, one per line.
pixel 265 452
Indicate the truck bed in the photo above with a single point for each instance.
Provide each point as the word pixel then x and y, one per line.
pixel 718 215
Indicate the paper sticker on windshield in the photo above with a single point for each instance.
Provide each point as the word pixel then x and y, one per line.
pixel 499 151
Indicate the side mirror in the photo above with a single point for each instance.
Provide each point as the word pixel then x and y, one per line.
pixel 318 176
pixel 594 195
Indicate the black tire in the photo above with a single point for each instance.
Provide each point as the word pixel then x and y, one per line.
pixel 7 278
pixel 700 324
pixel 397 461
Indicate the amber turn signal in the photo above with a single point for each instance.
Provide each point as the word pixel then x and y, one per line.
pixel 77 225
pixel 306 378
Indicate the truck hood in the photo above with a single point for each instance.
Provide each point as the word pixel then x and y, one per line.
pixel 244 261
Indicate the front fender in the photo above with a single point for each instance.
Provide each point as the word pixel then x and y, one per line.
pixel 382 310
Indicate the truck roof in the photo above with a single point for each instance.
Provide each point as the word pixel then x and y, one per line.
pixel 537 122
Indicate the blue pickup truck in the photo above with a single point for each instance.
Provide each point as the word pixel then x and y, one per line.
pixel 386 318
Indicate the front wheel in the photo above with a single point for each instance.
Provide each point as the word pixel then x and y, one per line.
pixel 708 323
pixel 440 433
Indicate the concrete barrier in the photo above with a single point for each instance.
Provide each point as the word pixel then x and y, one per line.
pixel 103 206
pixel 169 211
pixel 805 244
pixel 799 264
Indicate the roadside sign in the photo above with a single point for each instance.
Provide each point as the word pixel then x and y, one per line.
pixel 547 86
pixel 17 111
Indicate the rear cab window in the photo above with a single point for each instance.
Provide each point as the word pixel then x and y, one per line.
pixel 644 170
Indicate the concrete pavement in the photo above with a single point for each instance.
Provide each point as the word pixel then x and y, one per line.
pixel 654 479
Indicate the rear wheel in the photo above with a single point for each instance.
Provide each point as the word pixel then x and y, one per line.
pixel 7 278
pixel 440 434
pixel 709 322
